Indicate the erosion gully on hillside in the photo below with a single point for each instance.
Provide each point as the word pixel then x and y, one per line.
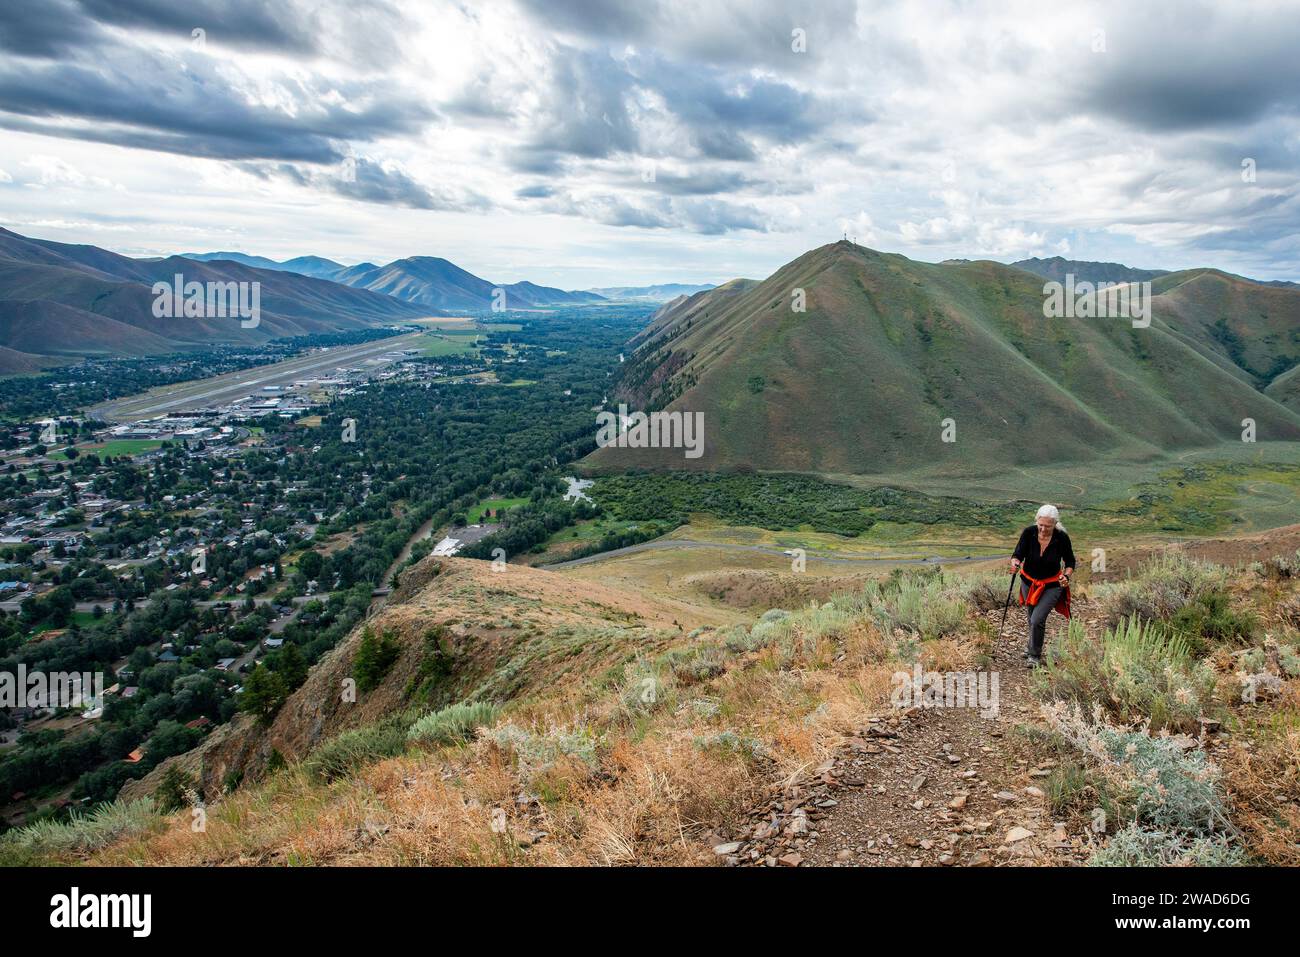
pixel 923 787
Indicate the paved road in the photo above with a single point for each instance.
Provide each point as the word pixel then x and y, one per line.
pixel 827 557
pixel 225 388
pixel 107 605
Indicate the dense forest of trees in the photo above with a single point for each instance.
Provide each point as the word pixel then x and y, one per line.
pixel 785 502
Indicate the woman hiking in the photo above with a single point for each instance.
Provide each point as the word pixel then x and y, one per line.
pixel 1045 561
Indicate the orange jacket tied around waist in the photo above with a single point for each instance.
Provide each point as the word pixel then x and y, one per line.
pixel 1036 586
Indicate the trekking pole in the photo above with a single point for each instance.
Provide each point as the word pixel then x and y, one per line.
pixel 1007 606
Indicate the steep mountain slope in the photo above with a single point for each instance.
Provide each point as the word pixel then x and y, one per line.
pixel 42 327
pixel 503 636
pixel 1254 326
pixel 13 362
pixel 1286 389
pixel 888 348
pixel 591 727
pixel 442 284
pixel 682 311
pixel 88 259
pixel 428 280
pixel 61 299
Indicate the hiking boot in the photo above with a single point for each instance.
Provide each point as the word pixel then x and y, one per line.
pixel 1032 662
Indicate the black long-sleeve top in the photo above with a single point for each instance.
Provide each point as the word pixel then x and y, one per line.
pixel 1045 563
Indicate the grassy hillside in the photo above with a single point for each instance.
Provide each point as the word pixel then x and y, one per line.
pixel 14 362
pixel 442 285
pixel 1286 389
pixel 51 328
pixel 1247 327
pixel 463 633
pixel 888 348
pixel 59 299
pixel 519 722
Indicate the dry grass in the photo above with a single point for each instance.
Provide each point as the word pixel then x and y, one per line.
pixel 579 777
pixel 1262 777
pixel 587 771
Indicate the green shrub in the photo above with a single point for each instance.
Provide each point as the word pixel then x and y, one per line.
pixel 1135 847
pixel 697 663
pixel 986 592
pixel 452 724
pixel 1209 619
pixel 437 664
pixel 536 751
pixel 1281 566
pixel 1137 672
pixel 341 755
pixel 729 742
pixel 375 655
pixel 174 790
pixel 646 688
pixel 1160 588
pixel 1066 786
pixel 1289 660
pixel 739 640
pixel 82 833
pixel 1160 784
pixel 922 603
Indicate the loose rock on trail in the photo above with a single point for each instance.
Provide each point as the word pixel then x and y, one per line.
pixel 923 787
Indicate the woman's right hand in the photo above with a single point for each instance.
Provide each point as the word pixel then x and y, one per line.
pixel 1015 564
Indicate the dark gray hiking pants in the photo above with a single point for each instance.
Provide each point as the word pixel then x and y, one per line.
pixel 1038 615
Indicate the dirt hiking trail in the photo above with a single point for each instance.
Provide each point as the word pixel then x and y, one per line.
pixel 925 787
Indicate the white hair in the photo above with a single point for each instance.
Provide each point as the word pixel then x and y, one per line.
pixel 1050 511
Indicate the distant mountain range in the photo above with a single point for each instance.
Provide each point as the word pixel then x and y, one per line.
pixel 65 300
pixel 663 292
pixel 427 280
pixel 1058 268
pixel 888 348
pixel 58 299
pixel 316 266
pixel 444 285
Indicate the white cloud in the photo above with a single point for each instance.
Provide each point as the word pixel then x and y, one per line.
pixel 518 133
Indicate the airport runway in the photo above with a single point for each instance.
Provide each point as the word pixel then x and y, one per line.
pixel 219 390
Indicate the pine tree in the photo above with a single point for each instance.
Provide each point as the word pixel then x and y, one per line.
pixel 375 655
pixel 264 692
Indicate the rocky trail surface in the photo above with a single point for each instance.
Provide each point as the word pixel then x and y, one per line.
pixel 923 787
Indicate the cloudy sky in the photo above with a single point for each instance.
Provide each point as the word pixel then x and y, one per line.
pixel 582 143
